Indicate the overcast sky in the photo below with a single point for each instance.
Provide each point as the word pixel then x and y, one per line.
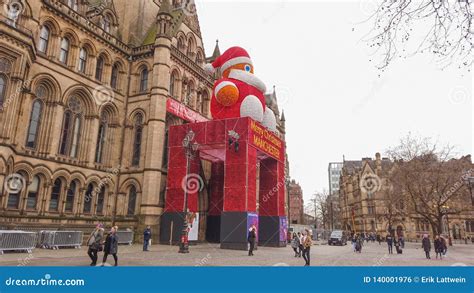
pixel 334 100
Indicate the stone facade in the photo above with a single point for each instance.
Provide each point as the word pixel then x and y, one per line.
pixel 85 87
pixel 296 203
pixel 363 208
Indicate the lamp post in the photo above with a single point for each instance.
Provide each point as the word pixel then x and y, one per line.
pixel 445 210
pixel 190 149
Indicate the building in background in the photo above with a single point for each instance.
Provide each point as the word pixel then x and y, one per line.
pixel 369 203
pixel 88 91
pixel 296 203
pixel 334 173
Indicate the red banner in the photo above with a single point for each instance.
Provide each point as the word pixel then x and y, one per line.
pixel 266 141
pixel 176 108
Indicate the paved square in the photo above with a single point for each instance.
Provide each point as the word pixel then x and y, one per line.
pixel 205 254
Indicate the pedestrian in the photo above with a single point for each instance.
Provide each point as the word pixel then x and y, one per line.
pixel 444 245
pixel 300 248
pixel 379 239
pixel 111 245
pixel 389 243
pixel 398 244
pixel 146 238
pixel 438 246
pixel 402 242
pixel 353 242
pixel 426 245
pixel 307 242
pixel 358 245
pixel 95 243
pixel 295 244
pixel 251 238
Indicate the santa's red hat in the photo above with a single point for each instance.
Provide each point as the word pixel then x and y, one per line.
pixel 232 56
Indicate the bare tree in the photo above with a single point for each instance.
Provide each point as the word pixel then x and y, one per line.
pixel 431 178
pixel 444 28
pixel 318 208
pixel 394 204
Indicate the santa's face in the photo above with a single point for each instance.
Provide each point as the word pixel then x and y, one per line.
pixel 241 66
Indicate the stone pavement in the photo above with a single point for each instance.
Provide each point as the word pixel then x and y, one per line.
pixel 205 254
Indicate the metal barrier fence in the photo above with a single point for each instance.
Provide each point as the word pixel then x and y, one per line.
pixel 56 239
pixel 125 237
pixel 17 240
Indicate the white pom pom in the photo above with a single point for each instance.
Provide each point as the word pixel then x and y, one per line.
pixel 209 68
pixel 269 120
pixel 252 107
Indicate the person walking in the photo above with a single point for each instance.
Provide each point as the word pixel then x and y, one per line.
pixel 444 244
pixel 295 244
pixel 389 240
pixel 251 238
pixel 426 245
pixel 438 246
pixel 307 242
pixel 146 238
pixel 353 242
pixel 111 245
pixel 94 242
pixel 359 243
pixel 300 247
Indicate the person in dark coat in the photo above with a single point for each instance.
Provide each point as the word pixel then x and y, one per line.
pixel 146 238
pixel 426 245
pixel 389 243
pixel 438 246
pixel 300 247
pixel 111 245
pixel 251 239
pixel 295 244
pixel 95 243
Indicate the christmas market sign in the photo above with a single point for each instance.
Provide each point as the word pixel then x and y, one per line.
pixel 266 140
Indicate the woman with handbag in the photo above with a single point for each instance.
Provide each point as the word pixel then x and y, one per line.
pixel 95 243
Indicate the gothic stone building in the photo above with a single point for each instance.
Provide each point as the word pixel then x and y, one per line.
pixel 88 90
pixel 363 208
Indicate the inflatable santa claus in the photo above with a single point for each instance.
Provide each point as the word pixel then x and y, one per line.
pixel 239 93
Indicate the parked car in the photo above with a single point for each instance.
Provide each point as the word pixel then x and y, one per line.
pixel 337 237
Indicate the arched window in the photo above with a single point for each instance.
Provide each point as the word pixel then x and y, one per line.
pixel 99 68
pixel 14 195
pixel 82 60
pixel 174 85
pixel 114 77
pixel 88 198
pixel 191 52
pixel 76 134
pixel 181 44
pixel 71 131
pixel 106 23
pixel 34 125
pixel 99 208
pixel 72 4
pixel 199 58
pixel 143 79
pixel 137 139
pixel 3 89
pixel 44 39
pixel 70 196
pixel 67 121
pixel 32 197
pixel 64 53
pixel 132 200
pixel 204 103
pixel 101 138
pixel 55 195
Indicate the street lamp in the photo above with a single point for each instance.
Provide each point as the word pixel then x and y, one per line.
pixel 190 149
pixel 445 210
